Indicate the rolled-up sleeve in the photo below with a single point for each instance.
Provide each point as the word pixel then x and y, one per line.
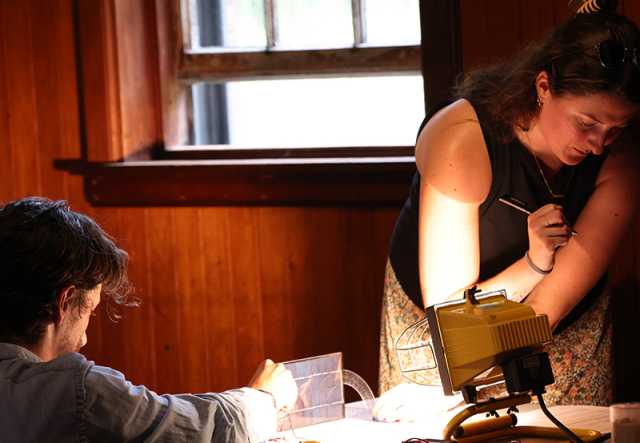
pixel 117 410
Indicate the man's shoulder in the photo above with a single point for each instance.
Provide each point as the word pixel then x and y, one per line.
pixel 72 361
pixel 39 401
pixel 20 365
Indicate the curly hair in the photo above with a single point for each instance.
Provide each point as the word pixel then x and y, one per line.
pixel 44 248
pixel 570 56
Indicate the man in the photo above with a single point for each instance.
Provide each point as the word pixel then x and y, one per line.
pixel 55 266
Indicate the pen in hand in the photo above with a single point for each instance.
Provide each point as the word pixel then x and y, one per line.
pixel 520 206
pixel 514 203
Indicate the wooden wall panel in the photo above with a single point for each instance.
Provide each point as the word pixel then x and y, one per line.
pixel 22 130
pixel 138 89
pixel 6 165
pixel 495 29
pixel 139 323
pixel 222 314
pixel 244 257
pixel 193 301
pixel 160 296
pixel 103 131
pixel 631 8
pixel 223 287
pixel 48 95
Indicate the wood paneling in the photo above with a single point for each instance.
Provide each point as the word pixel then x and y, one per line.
pixel 222 287
pixel 495 29
pixel 174 94
pixel 6 190
pixel 121 96
pixel 320 181
pixel 440 36
pixel 19 91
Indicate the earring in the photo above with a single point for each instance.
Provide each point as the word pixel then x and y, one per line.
pixel 539 102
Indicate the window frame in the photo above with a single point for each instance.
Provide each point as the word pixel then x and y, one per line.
pixel 129 58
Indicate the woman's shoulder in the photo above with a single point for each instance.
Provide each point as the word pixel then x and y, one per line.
pixel 451 149
pixel 458 112
pixel 457 121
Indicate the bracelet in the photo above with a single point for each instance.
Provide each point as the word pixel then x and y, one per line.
pixel 533 266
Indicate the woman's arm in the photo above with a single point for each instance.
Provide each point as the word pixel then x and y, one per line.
pixel 548 231
pixel 455 170
pixel 600 226
pixel 456 175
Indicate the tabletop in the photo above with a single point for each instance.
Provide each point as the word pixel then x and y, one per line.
pixel 356 427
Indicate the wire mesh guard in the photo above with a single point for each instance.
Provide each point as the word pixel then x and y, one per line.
pixel 415 354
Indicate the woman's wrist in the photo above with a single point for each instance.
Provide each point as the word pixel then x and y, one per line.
pixel 535 268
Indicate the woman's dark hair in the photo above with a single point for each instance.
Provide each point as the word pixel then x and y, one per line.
pixel 572 57
pixel 44 248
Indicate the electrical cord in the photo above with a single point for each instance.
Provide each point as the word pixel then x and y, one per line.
pixel 573 437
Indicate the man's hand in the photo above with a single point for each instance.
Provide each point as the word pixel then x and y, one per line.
pixel 277 381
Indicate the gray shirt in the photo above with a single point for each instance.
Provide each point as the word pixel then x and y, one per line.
pixel 70 399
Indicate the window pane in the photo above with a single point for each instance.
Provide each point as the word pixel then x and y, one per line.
pixel 361 111
pixel 229 23
pixel 392 22
pixel 314 23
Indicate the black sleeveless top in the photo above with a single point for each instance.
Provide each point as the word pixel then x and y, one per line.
pixel 503 230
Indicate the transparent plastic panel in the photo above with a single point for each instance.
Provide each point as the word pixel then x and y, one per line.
pixel 321 381
pixel 320 391
pixel 307 367
pixel 395 22
pixel 358 111
pixel 314 24
pixel 228 23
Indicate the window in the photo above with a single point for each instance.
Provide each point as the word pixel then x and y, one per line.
pixel 138 107
pixel 376 108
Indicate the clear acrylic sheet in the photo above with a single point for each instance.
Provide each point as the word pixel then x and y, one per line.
pixel 321 380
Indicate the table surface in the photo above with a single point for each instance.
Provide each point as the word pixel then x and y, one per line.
pixel 357 428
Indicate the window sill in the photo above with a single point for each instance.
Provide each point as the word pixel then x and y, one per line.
pixel 349 181
pixel 229 65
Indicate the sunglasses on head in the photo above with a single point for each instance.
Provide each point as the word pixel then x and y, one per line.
pixel 614 55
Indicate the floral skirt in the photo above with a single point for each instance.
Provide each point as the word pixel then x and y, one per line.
pixel 580 355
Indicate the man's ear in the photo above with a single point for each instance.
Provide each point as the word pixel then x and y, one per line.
pixel 64 297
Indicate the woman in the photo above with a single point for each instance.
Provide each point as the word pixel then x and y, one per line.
pixel 551 128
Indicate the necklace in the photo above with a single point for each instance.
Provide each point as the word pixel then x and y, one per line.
pixel 554 195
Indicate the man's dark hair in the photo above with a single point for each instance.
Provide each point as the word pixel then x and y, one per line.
pixel 44 248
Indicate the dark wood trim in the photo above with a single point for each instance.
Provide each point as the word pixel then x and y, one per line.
pixel 371 181
pixel 441 48
pixel 217 152
pixel 175 94
pixel 199 66
pixel 98 68
pixel 118 55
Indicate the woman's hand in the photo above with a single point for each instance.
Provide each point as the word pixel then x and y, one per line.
pixel 548 231
pixel 276 380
